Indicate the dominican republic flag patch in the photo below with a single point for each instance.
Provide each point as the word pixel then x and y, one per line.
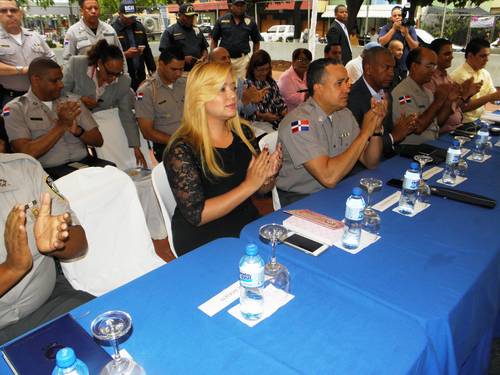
pixel 404 99
pixel 300 126
pixel 139 96
pixel 6 112
pixel 66 42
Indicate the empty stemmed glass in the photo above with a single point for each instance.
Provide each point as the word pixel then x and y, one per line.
pixel 371 221
pixel 424 191
pixel 110 326
pixel 462 164
pixel 280 277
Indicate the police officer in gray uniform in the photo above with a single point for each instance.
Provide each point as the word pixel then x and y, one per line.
pixel 86 32
pixel 321 139
pixel 411 97
pixel 159 100
pixel 52 129
pixel 31 291
pixel 235 29
pixel 185 36
pixel 18 47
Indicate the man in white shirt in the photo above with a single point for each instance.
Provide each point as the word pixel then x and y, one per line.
pixel 355 66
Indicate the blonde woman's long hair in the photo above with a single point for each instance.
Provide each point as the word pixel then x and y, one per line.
pixel 204 83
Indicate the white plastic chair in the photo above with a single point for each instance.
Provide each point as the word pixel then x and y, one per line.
pixel 119 244
pixel 115 147
pixel 271 139
pixel 166 199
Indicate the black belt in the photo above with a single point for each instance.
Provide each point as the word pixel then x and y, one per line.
pixel 234 56
pixel 12 93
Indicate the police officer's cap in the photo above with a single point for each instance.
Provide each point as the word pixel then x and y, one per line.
pixel 187 9
pixel 127 8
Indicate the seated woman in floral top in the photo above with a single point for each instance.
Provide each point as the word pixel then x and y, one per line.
pixel 272 108
pixel 212 166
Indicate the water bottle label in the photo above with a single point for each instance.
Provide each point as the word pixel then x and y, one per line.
pixel 353 213
pixel 411 180
pixel 452 156
pixel 252 275
pixel 483 136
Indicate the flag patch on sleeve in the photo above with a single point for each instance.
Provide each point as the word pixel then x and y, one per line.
pixel 6 112
pixel 66 42
pixel 300 126
pixel 139 96
pixel 404 99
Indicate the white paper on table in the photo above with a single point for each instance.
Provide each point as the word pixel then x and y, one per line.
pixel 384 204
pixel 221 300
pixel 274 298
pixel 497 144
pixel 464 151
pixel 366 240
pixel 312 230
pixel 419 207
pixel 458 181
pixel 486 157
pixel 431 172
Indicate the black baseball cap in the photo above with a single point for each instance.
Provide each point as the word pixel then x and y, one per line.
pixel 187 9
pixel 127 8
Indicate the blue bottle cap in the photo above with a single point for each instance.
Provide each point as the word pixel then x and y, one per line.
pixel 356 191
pixel 414 165
pixel 251 249
pixel 456 143
pixel 65 357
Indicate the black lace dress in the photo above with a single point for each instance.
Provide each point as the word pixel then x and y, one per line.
pixel 191 188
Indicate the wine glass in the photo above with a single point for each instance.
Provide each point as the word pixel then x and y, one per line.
pixel 462 164
pixel 280 277
pixel 110 326
pixel 424 191
pixel 371 221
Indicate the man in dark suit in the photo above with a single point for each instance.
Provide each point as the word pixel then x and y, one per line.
pixel 378 71
pixel 338 33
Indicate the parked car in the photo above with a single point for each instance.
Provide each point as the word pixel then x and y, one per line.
pixel 279 33
pixel 206 29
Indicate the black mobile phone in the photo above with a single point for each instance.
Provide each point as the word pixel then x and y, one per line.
pixel 303 243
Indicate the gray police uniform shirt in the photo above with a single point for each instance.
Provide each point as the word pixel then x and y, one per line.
pixel 22 181
pixel 79 38
pixel 12 53
pixel 28 117
pixel 190 39
pixel 407 98
pixel 164 105
pixel 307 133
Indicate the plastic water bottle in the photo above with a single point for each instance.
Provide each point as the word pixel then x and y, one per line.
pixel 68 364
pixel 251 283
pixel 410 190
pixel 452 158
pixel 353 222
pixel 480 143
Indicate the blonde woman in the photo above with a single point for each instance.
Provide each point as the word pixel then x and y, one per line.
pixel 212 165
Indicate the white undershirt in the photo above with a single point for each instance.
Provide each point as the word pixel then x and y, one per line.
pixel 18 38
pixel 48 104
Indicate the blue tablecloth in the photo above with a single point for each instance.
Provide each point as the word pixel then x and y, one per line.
pixel 441 267
pixel 325 329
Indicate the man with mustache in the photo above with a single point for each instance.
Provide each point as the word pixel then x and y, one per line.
pixel 321 139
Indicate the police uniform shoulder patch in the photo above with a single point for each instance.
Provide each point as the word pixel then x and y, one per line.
pixel 52 186
pixel 404 99
pixel 298 126
pixel 248 21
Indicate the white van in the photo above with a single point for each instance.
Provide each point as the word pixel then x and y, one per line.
pixel 279 33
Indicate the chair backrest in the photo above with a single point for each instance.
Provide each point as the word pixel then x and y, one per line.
pixel 166 199
pixel 115 147
pixel 271 139
pixel 120 249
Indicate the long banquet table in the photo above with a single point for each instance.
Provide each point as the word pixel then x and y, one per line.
pixel 325 329
pixel 441 268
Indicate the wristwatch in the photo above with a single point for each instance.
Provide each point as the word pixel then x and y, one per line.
pixel 81 132
pixel 19 69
